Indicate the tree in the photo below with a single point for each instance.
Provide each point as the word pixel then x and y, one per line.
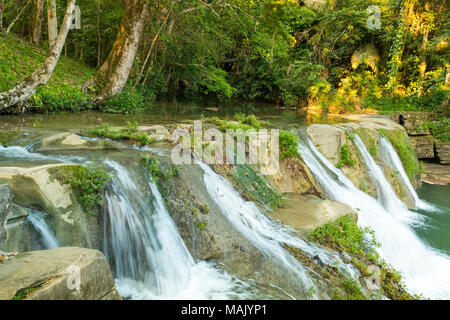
pixel 112 76
pixel 26 88
pixel 17 18
pixel 37 29
pixel 52 23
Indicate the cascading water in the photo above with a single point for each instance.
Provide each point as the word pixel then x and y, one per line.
pixel 148 255
pixel 425 271
pixel 22 153
pixel 386 195
pixel 264 233
pixel 48 238
pixel 391 158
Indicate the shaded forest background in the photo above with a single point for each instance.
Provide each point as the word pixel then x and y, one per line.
pixel 318 55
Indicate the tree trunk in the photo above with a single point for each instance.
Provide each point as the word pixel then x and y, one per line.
pixel 112 76
pixel 26 88
pixel 37 30
pixel 17 18
pixel 2 6
pixel 52 23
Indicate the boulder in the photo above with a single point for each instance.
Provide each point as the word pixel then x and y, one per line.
pixel 328 139
pixel 306 213
pixel 424 146
pixel 443 151
pixel 53 275
pixel 38 188
pixel 156 133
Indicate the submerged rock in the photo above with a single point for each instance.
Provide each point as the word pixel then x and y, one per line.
pixel 306 213
pixel 53 275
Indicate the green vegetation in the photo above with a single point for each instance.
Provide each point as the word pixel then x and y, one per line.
pixel 440 128
pixel 345 157
pixel 23 294
pixel 288 144
pixel 88 183
pixel 404 150
pixel 130 133
pixel 345 236
pixel 240 122
pixel 255 188
pixel 158 171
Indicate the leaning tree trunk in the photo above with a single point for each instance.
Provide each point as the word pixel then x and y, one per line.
pixel 26 88
pixel 52 23
pixel 37 29
pixel 112 76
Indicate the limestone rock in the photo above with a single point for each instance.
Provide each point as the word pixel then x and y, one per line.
pixel 413 122
pixel 443 151
pixel 37 188
pixel 424 146
pixel 306 213
pixel 435 173
pixel 156 133
pixel 51 275
pixel 328 139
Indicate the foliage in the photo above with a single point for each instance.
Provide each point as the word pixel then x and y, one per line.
pixel 88 182
pixel 345 157
pixel 288 144
pixel 130 133
pixel 158 171
pixel 128 101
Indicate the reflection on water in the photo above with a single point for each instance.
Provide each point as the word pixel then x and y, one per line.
pixel 161 113
pixel 436 232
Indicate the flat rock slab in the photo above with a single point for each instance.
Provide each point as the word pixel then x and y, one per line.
pixel 306 213
pixel 435 173
pixel 51 275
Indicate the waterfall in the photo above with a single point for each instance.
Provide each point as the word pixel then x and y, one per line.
pixel 386 194
pixel 425 271
pixel 264 233
pixel 391 158
pixel 148 256
pixel 48 238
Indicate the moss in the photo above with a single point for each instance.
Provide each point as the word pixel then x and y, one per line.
pixel 87 182
pixel 405 151
pixel 255 188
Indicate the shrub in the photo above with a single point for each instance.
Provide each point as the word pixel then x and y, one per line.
pixel 288 145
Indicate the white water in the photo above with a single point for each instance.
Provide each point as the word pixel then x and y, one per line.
pixel 264 233
pixel 16 152
pixel 149 257
pixel 425 271
pixel 391 158
pixel 386 194
pixel 48 238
